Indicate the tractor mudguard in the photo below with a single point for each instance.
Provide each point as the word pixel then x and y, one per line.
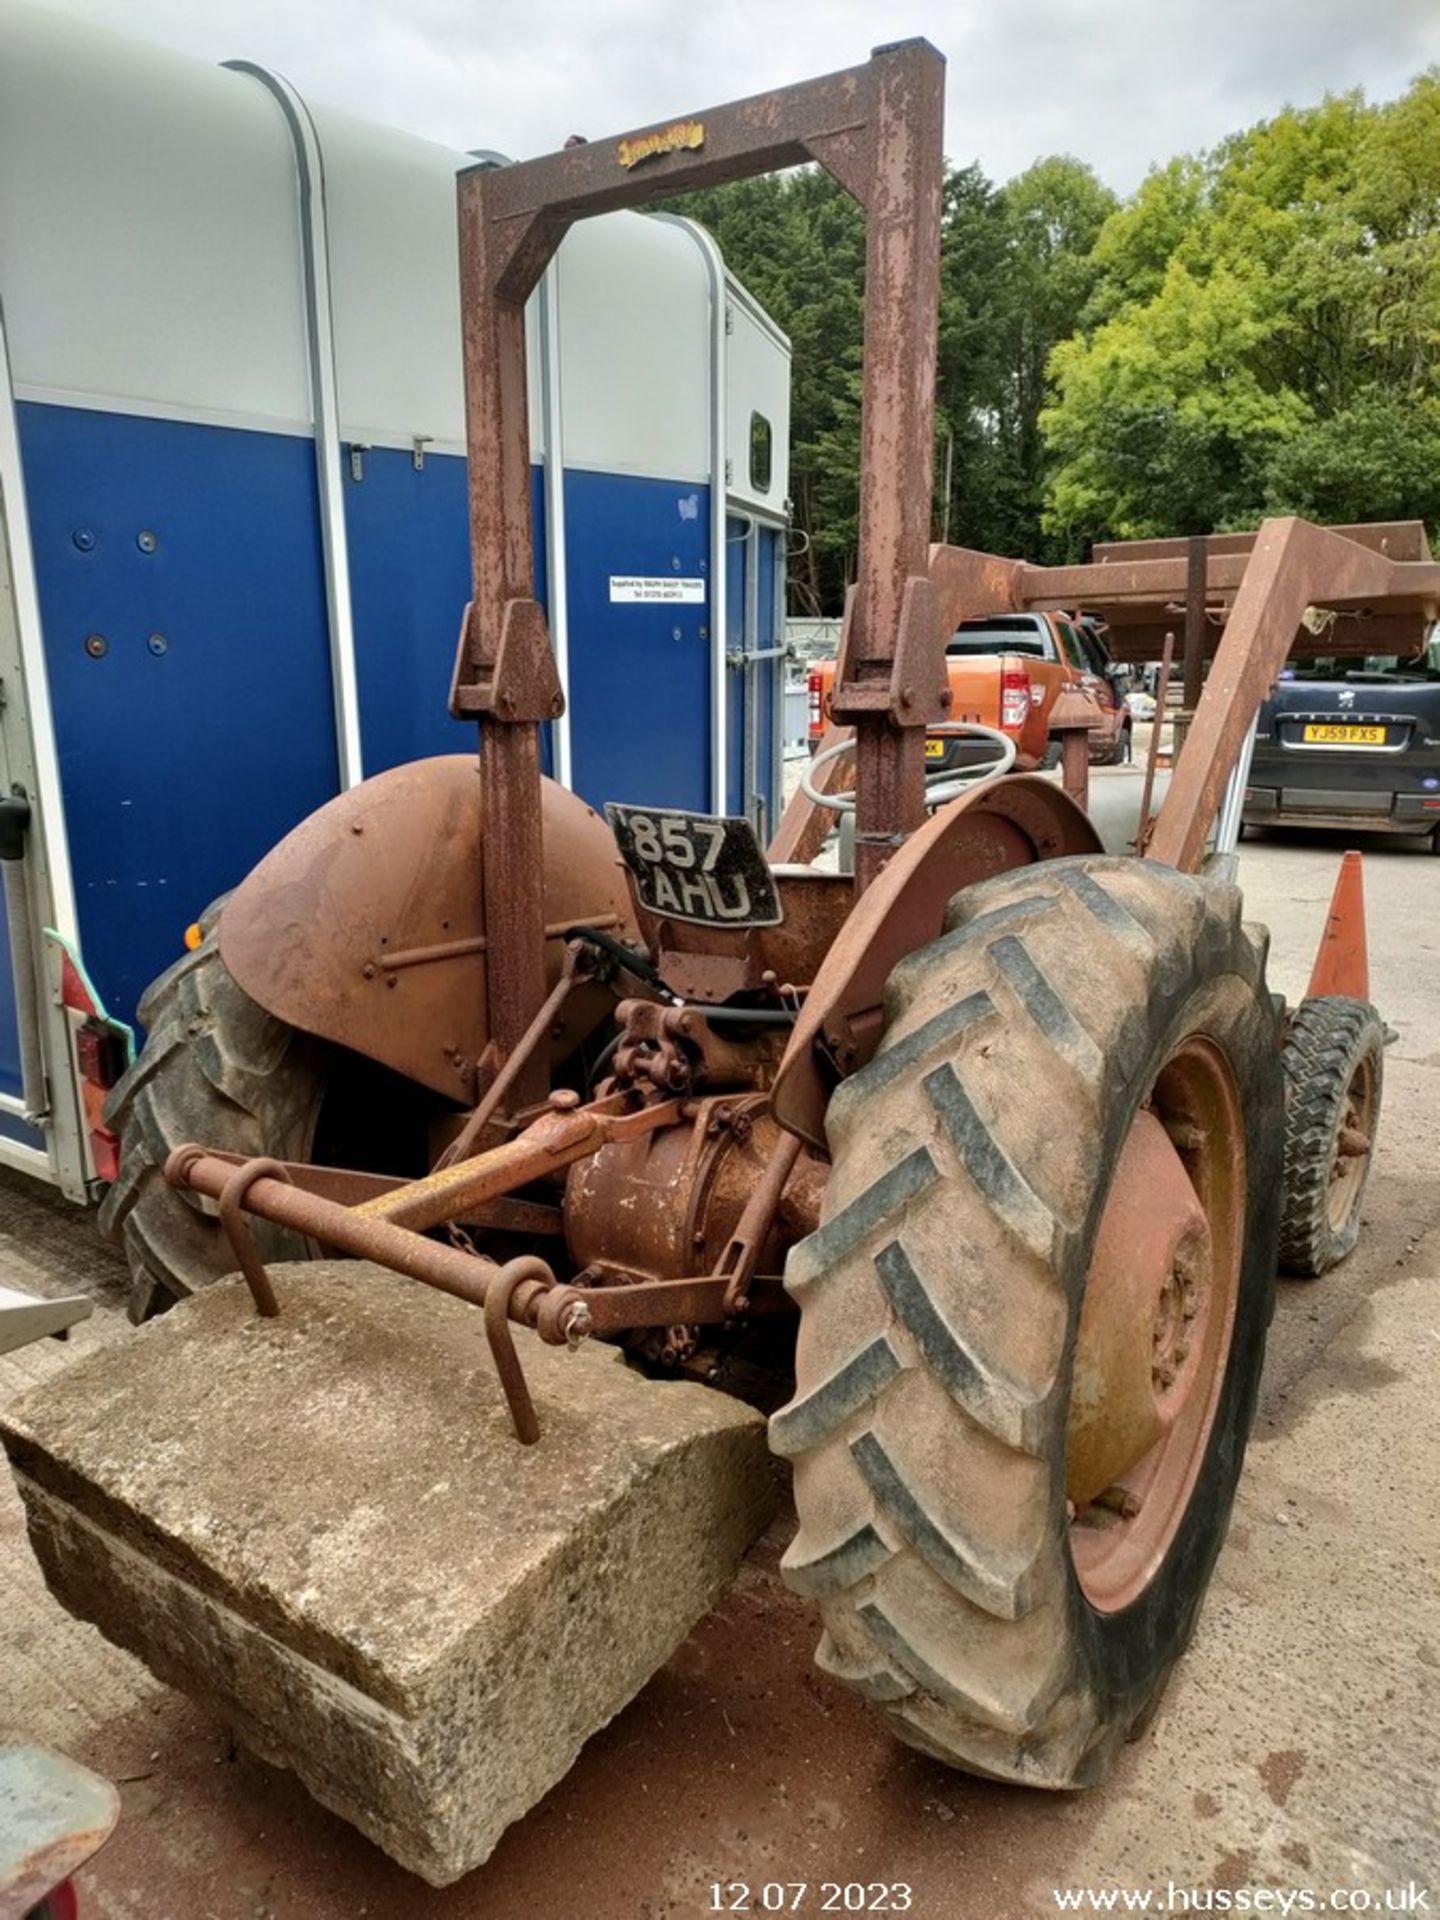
pixel 364 926
pixel 996 825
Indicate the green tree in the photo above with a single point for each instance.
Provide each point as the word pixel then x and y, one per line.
pixel 1256 330
pixel 1263 333
pixel 1030 287
pixel 1015 275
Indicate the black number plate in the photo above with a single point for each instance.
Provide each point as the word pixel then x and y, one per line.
pixel 694 866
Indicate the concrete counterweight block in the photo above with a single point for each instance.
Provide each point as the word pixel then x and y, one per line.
pixel 322 1528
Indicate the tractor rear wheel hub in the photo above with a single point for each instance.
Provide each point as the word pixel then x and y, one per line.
pixel 1149 1279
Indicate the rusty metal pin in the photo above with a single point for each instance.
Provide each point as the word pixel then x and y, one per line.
pixel 237 1229
pixel 502 1342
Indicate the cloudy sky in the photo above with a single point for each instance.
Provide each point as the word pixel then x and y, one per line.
pixel 1121 83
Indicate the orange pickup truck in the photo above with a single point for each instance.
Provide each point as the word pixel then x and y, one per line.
pixel 1006 671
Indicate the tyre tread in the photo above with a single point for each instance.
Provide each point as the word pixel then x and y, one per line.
pixel 1328 1037
pixel 217 1069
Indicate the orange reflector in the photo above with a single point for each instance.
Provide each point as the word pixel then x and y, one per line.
pixel 193 936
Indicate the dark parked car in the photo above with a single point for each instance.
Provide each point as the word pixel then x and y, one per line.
pixel 1358 750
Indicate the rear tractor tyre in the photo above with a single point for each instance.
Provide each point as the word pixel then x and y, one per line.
pixel 1034 1313
pixel 217 1069
pixel 1334 1062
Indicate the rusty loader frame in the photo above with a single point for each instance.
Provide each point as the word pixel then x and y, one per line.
pixel 681 1080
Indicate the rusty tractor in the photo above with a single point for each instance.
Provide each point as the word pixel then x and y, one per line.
pixel 971 1165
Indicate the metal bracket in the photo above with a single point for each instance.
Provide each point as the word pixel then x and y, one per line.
pixel 914 686
pixel 521 685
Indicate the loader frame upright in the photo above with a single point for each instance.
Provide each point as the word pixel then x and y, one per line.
pixel 877 129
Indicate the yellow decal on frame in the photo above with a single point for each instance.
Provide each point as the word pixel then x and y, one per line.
pixel 681 136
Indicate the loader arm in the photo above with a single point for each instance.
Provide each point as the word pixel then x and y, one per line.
pixel 1260 588
pixel 1294 565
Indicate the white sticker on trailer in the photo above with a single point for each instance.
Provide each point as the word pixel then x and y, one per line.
pixel 664 589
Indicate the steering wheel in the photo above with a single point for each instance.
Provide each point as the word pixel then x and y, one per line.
pixel 939 787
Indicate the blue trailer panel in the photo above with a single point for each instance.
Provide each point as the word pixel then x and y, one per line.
pixel 202 730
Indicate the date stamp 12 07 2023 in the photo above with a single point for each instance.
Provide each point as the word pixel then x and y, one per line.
pixel 810 1896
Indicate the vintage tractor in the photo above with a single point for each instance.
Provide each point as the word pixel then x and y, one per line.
pixel 1006 1111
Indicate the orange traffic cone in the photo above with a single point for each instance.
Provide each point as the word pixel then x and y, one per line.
pixel 1342 963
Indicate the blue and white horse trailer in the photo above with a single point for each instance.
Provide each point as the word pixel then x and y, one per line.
pixel 233 545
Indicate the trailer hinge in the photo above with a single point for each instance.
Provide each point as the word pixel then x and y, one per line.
pixel 729 318
pixel 729 472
